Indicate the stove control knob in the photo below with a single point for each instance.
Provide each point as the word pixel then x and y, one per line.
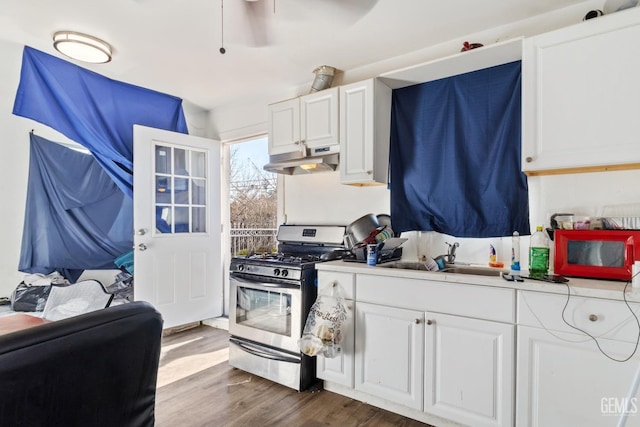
pixel 241 267
pixel 285 273
pixel 276 272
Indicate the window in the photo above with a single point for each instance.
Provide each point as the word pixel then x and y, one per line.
pixel 252 199
pixel 181 188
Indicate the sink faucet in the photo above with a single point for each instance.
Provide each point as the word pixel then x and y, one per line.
pixel 450 257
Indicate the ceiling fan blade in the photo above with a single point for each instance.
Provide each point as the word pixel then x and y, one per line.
pixel 349 11
pixel 258 14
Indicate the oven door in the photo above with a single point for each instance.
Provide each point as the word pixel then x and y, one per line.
pixel 266 313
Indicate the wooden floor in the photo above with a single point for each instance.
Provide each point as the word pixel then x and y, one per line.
pixel 197 387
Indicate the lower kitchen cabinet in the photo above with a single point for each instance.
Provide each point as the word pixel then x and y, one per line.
pixel 469 370
pixel 339 370
pixel 564 380
pixel 389 353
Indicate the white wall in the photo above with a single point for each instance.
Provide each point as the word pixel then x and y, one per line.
pixel 320 199
pixel 14 151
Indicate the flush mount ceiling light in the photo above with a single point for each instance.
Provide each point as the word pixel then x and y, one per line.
pixel 82 47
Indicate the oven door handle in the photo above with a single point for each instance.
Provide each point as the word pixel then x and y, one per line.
pixel 264 284
pixel 265 354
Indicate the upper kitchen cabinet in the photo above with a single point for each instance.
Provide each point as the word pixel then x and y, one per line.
pixel 365 119
pixel 284 127
pixel 581 97
pixel 308 121
pixel 319 118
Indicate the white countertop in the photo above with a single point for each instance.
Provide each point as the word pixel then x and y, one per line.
pixel 579 287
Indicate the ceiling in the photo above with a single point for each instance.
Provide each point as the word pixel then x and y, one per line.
pixel 173 46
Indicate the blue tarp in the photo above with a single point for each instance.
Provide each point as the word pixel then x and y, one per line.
pixel 76 218
pixel 93 110
pixel 455 155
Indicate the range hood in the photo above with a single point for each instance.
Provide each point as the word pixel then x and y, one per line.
pixel 305 161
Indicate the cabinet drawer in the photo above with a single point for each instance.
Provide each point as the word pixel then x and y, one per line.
pixel 482 302
pixel 599 317
pixel 345 281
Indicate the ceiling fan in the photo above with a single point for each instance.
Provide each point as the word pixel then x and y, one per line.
pixel 259 14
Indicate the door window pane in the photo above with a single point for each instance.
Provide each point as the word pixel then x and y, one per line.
pixel 198 164
pixel 163 219
pixel 181 191
pixel 181 201
pixel 180 166
pixel 198 220
pixel 163 189
pixel 198 191
pixel 181 224
pixel 163 159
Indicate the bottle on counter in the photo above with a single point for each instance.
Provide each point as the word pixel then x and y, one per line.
pixel 539 254
pixel 515 253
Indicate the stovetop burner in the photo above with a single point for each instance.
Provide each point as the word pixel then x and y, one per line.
pixel 285 258
pixel 299 248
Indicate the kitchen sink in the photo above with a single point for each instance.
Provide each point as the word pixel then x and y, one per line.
pixel 478 271
pixel 405 265
pixel 450 268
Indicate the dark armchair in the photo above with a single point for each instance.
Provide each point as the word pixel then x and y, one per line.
pixel 95 369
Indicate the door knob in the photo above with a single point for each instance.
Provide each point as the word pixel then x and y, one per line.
pixel 142 247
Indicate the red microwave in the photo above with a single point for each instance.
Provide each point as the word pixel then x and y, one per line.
pixel 599 254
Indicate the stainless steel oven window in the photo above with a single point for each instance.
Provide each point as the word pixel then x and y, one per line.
pixel 267 313
pixel 265 309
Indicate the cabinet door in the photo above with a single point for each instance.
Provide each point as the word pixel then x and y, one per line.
pixel 469 370
pixel 564 380
pixel 339 369
pixel 284 127
pixel 319 118
pixel 356 132
pixel 389 353
pixel 577 111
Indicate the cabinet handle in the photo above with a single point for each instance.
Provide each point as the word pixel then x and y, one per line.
pixel 369 172
pixel 417 321
pixel 593 317
pixel 529 159
pixel 429 322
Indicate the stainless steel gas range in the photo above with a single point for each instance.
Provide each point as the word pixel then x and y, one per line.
pixel 271 295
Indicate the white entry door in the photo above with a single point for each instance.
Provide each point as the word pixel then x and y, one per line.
pixel 176 218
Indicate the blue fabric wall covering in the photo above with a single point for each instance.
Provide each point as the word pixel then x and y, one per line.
pixel 76 217
pixel 95 111
pixel 455 155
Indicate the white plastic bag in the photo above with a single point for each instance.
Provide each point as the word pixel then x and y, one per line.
pixel 325 326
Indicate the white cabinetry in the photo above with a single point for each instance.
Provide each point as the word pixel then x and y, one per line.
pixel 563 379
pixel 581 96
pixel 469 370
pixel 284 127
pixel 310 120
pixel 460 369
pixel 319 118
pixel 339 370
pixel 365 123
pixel 389 356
